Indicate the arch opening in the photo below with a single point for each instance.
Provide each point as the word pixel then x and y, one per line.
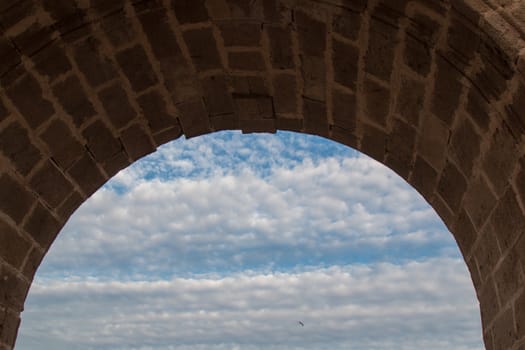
pixel 227 239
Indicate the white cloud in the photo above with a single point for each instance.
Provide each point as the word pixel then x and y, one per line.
pixel 415 304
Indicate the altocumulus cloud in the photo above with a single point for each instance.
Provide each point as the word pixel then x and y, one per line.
pixel 225 242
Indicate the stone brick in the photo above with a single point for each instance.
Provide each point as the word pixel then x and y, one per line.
pixel 137 68
pixel 447 90
pixel 51 61
pixel 290 124
pixel 479 201
pixel 103 7
pixel 508 276
pixel 190 11
pixel 32 263
pixel 410 100
pixel 3 111
pixel 377 102
pixel 216 95
pixel 500 159
pixel 342 136
pixel 281 54
pixel 16 145
pixel 400 148
pixel 315 118
pixel 160 36
pixel 313 71
pixel 60 9
pixel 424 178
pixel 15 200
pixel 433 146
pixel 177 74
pixel 12 12
pixel 486 252
pixel 464 233
pixel 490 82
pixel 285 96
pixel 504 332
pixel 71 22
pixel 13 248
pixel 248 84
pixel 345 62
pixel 424 28
pixel 116 163
pixel 118 29
pixel 417 56
pixel 70 205
pixel 203 49
pixel 73 99
pixel 194 118
pixel 8 55
pixel 65 149
pixel 236 33
pixel 9 323
pixel 478 109
pixel 13 290
pixel 519 314
pixel 465 146
pixel 312 34
pixel 154 109
pixel 26 94
pixel 515 117
pixel 380 53
pixel 168 135
pixel 101 142
pixel 42 226
pixel 347 24
pixel 488 302
pixel 136 142
pixel 452 186
pixel 225 122
pixel 443 211
pixel 117 105
pixel 51 185
pixel 96 68
pixel 389 11
pixel 463 40
pixel 373 142
pixel 246 61
pixel 34 38
pixel 251 107
pixel 257 126
pixel 86 174
pixel 508 220
pixel 344 110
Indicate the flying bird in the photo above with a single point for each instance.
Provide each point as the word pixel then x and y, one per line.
pixel 302 324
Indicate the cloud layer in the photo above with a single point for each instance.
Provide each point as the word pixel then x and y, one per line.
pixel 226 241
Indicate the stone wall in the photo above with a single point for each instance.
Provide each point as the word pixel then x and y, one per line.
pixel 433 89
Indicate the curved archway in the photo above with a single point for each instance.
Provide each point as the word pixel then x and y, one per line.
pixel 434 90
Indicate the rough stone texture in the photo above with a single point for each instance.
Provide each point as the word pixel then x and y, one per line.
pixel 433 89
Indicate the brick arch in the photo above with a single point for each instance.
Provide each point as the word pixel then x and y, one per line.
pixel 435 90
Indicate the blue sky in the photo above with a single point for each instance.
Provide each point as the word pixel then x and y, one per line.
pixel 225 241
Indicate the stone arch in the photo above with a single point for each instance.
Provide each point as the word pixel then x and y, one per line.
pixel 435 90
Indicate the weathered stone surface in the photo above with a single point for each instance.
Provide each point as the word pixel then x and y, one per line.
pixel 14 290
pixel 42 226
pixel 117 105
pixel 136 142
pixel 51 185
pixel 73 99
pixel 16 145
pixel 13 248
pixel 26 95
pixel 281 53
pixel 433 89
pixel 65 149
pixel 203 49
pixel 345 61
pixel 15 200
pixel 86 174
pixel 137 68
